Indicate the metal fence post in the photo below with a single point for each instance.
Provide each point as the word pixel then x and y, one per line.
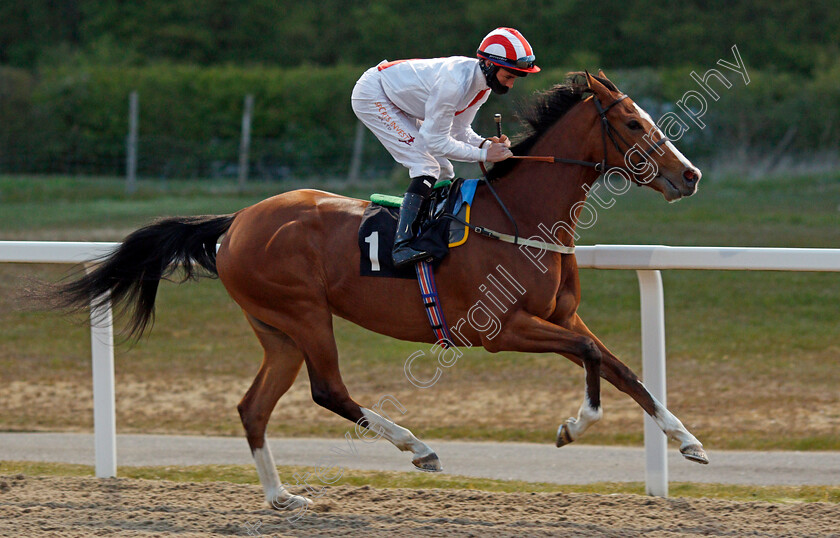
pixel 245 140
pixel 358 148
pixel 131 143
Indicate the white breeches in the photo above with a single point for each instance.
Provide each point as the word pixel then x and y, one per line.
pixel 395 129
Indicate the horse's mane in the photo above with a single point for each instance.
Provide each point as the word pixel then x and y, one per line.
pixel 545 110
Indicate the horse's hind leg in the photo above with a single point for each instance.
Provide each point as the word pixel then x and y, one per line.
pixel 617 373
pixel 329 391
pixel 280 366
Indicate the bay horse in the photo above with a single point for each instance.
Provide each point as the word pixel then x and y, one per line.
pixel 291 262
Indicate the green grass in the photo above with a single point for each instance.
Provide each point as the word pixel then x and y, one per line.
pixel 758 348
pixel 788 212
pixel 246 474
pixel 38 203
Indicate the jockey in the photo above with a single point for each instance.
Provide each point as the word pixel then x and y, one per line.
pixel 421 111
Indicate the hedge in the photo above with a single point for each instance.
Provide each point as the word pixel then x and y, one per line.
pixel 75 118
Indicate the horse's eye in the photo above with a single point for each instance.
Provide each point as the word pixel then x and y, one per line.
pixel 635 125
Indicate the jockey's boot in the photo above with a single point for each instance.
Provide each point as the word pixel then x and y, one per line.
pixel 402 253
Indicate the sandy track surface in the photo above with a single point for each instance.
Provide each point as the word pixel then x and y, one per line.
pixel 73 507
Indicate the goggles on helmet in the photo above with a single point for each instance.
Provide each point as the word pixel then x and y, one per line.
pixel 526 62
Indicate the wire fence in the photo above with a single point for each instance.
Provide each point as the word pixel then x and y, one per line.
pixel 271 159
pixel 174 158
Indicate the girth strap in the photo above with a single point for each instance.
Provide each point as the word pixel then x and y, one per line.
pixel 431 302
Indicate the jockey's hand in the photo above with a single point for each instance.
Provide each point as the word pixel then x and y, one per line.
pixel 497 152
pixel 503 140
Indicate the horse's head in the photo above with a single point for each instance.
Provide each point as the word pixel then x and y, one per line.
pixel 633 142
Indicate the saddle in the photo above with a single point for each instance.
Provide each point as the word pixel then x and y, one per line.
pixel 443 226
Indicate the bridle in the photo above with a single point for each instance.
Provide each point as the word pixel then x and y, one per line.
pixel 607 131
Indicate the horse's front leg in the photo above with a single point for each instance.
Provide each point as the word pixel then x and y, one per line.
pixel 617 373
pixel 528 333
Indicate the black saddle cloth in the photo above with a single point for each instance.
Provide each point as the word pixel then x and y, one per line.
pixel 379 225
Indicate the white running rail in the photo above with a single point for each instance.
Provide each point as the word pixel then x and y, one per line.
pixel 647 260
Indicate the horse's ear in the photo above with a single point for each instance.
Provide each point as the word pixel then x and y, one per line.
pixel 594 84
pixel 602 79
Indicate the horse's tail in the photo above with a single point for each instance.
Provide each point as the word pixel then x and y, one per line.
pixel 129 276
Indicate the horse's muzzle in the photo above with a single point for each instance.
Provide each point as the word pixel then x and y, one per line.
pixel 674 188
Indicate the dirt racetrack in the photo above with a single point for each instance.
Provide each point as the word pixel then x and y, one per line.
pixel 64 506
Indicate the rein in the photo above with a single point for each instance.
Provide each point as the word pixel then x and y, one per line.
pixel 607 131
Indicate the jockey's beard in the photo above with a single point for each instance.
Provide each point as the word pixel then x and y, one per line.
pixel 497 87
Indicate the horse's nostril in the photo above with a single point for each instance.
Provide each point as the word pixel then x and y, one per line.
pixel 690 175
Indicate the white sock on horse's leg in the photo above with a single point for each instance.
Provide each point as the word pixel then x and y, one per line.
pixel 690 447
pixel 587 416
pixel 267 472
pixel 400 437
pixel 275 494
pixel 672 426
pixel 424 458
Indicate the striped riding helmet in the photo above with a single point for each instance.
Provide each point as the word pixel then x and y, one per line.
pixel 506 47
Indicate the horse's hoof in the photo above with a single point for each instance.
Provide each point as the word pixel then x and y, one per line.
pixel 428 463
pixel 293 502
pixel 695 453
pixel 563 435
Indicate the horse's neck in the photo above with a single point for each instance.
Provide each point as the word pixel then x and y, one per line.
pixel 543 196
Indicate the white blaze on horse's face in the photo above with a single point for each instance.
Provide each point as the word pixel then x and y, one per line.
pixel 676 175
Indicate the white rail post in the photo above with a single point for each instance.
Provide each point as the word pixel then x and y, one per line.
pixel 653 374
pixel 104 415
